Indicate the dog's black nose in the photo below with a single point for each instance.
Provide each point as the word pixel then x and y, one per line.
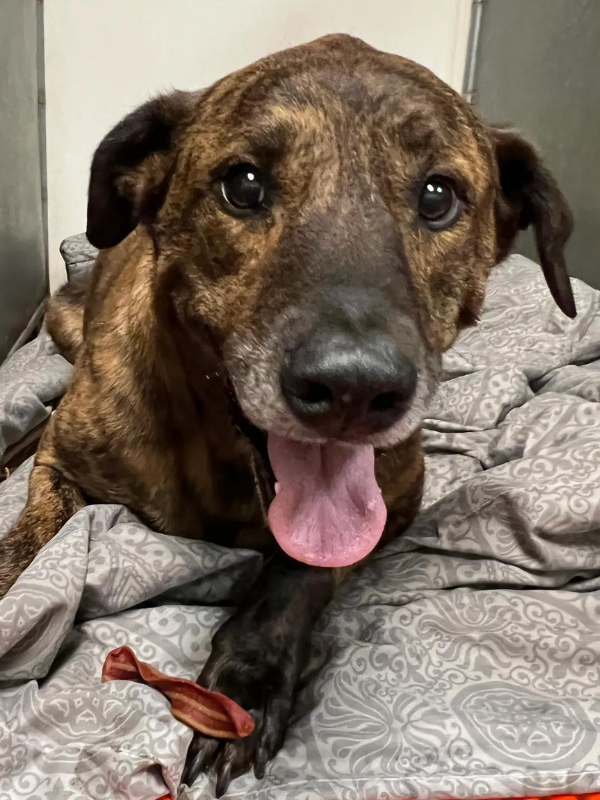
pixel 344 385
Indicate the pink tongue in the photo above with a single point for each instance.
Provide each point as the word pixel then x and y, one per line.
pixel 328 510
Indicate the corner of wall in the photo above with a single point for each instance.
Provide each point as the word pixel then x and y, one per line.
pixel 464 10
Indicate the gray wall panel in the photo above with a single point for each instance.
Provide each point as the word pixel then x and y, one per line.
pixel 539 68
pixel 23 278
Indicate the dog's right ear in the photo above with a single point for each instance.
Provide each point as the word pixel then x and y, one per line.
pixel 132 166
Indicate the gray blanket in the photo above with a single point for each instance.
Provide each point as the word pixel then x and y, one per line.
pixel 462 661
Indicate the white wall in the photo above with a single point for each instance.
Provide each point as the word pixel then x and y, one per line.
pixel 104 57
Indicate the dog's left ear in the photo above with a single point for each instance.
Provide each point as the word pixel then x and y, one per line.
pixel 530 196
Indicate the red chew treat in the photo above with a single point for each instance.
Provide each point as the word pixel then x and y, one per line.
pixel 210 713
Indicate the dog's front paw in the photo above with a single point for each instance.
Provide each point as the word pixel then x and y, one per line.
pixel 260 674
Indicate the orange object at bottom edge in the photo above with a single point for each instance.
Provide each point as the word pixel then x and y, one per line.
pixel 537 797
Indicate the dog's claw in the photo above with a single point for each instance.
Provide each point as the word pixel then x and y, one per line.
pixel 223 777
pixel 199 757
pixel 260 764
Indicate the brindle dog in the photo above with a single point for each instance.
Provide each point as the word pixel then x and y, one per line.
pixel 286 255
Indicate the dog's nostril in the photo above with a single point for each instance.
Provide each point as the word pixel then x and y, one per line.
pixel 386 401
pixel 314 393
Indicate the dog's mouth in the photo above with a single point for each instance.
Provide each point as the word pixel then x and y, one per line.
pixel 321 499
pixel 328 510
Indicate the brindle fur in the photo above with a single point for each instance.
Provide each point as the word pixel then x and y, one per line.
pixel 185 315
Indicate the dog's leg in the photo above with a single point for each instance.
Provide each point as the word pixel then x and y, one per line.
pixel 52 501
pixel 257 658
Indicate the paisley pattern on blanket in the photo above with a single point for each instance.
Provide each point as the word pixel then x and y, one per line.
pixel 461 661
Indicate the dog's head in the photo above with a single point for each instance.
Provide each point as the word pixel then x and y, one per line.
pixel 331 215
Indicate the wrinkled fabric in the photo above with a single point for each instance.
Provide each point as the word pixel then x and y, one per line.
pixel 463 660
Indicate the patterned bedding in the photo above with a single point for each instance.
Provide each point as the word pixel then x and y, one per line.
pixel 462 661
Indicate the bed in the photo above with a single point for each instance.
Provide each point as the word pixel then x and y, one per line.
pixel 463 660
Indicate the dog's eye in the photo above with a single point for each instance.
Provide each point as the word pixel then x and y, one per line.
pixel 438 203
pixel 243 188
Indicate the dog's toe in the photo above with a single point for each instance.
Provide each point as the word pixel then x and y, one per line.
pixel 235 759
pixel 272 732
